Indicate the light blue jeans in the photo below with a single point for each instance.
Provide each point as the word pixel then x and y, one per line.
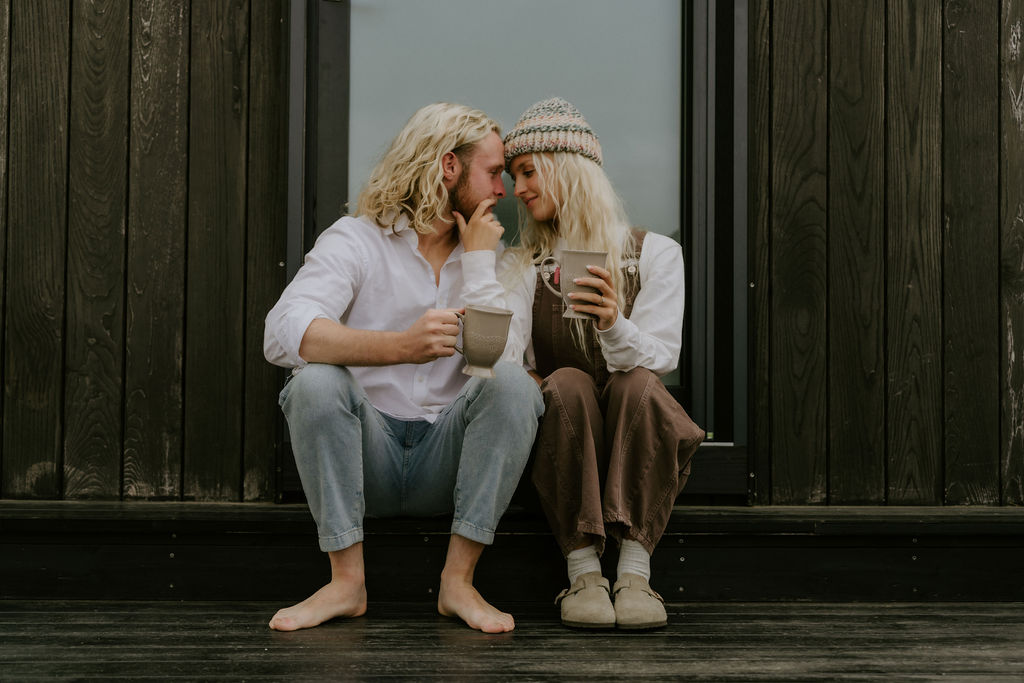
pixel 354 461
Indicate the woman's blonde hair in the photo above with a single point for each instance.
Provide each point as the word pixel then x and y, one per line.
pixel 589 215
pixel 409 179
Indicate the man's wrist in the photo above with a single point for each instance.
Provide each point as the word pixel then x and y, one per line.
pixel 401 348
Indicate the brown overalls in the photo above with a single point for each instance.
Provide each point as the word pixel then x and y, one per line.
pixel 619 433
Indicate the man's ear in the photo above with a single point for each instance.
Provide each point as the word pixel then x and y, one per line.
pixel 450 166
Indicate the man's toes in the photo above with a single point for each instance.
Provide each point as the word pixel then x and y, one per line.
pixel 501 623
pixel 283 622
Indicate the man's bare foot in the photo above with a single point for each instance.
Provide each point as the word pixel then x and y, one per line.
pixel 458 598
pixel 336 599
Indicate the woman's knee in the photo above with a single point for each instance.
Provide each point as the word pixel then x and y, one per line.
pixel 628 384
pixel 569 381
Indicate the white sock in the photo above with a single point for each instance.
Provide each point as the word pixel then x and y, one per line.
pixel 582 561
pixel 634 559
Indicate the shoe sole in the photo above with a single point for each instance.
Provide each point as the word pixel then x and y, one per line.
pixel 586 624
pixel 640 627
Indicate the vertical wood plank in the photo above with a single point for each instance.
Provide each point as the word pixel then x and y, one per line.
pixel 97 189
pixel 759 184
pixel 970 273
pixel 215 303
pixel 799 186
pixel 856 253
pixel 157 222
pixel 5 72
pixel 36 249
pixel 265 241
pixel 914 259
pixel 1012 267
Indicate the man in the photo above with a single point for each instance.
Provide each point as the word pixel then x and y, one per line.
pixel 382 420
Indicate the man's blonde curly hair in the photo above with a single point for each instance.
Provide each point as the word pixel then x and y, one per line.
pixel 409 179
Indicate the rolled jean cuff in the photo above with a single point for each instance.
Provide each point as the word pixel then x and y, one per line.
pixel 349 538
pixel 472 532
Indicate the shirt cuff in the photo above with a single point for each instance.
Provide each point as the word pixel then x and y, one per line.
pixel 301 322
pixel 478 265
pixel 614 335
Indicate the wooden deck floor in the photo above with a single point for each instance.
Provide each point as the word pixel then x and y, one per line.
pixel 58 640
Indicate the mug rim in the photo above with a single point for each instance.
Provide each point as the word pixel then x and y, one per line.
pixel 487 309
pixel 583 251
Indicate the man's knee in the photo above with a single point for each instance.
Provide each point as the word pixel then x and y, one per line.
pixel 318 389
pixel 512 388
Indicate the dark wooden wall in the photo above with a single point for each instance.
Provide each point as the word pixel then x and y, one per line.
pixel 143 239
pixel 143 228
pixel 887 218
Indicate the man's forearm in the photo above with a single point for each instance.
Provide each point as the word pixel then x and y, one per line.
pixel 327 341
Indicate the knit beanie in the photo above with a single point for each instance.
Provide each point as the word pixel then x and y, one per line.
pixel 552 125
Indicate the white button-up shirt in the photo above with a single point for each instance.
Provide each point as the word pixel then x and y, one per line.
pixel 373 278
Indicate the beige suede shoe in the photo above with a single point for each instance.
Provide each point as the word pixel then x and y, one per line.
pixel 636 605
pixel 587 604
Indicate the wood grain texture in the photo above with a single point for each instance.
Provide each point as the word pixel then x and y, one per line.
pixel 1012 250
pixel 409 641
pixel 5 72
pixel 36 250
pixel 799 277
pixel 215 301
pixel 266 247
pixel 97 188
pixel 914 254
pixel 155 269
pixel 970 272
pixel 759 201
pixel 856 253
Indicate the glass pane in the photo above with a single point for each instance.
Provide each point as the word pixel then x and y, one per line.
pixel 619 63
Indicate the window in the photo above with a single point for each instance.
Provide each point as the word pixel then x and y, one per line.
pixel 662 83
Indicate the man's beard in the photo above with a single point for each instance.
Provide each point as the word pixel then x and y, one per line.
pixel 458 199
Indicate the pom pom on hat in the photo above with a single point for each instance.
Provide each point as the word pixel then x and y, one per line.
pixel 552 125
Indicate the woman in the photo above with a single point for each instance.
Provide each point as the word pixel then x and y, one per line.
pixel 614 447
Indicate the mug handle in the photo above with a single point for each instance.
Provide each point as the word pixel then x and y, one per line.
pixel 462 323
pixel 547 281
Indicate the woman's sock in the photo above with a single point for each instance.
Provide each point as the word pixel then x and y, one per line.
pixel 634 559
pixel 582 561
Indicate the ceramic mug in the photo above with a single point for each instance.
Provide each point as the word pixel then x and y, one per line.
pixel 573 264
pixel 484 334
